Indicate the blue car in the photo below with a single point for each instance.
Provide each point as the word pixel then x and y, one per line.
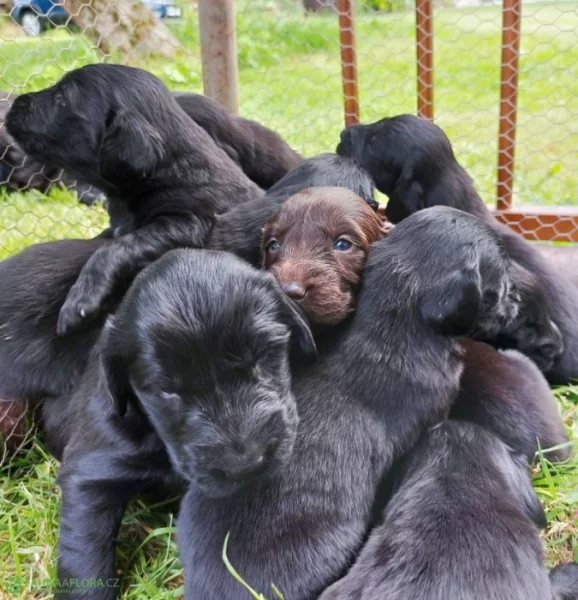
pixel 35 16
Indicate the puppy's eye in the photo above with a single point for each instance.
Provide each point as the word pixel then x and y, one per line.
pixel 60 101
pixel 343 245
pixel 273 246
pixel 169 396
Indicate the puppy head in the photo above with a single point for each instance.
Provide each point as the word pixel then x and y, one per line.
pixel 402 154
pixel 533 331
pixel 326 170
pixel 202 343
pixel 110 124
pixel 457 270
pixel 316 245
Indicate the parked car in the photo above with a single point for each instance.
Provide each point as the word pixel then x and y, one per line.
pixel 36 16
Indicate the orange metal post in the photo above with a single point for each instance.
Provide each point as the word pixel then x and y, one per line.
pixel 348 61
pixel 424 44
pixel 511 22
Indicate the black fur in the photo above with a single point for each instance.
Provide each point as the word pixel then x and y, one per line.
pixel 505 392
pixel 262 154
pixel 199 336
pixel 121 130
pixel 564 257
pixel 383 377
pixel 18 171
pixel 411 161
pixel 533 333
pixel 462 525
pixel 34 361
pixel 565 581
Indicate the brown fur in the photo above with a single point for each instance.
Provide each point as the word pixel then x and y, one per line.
pixel 321 279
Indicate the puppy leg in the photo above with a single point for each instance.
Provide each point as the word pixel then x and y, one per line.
pixel 90 517
pixel 96 489
pixel 116 265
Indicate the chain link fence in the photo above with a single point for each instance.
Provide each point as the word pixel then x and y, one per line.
pixel 290 79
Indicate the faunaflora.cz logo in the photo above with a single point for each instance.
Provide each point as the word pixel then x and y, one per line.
pixel 72 585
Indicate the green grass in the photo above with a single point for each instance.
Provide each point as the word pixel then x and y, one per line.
pixel 290 81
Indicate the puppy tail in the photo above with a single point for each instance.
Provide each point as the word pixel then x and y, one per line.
pixel 564 580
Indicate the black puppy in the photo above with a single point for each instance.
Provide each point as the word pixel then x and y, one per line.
pixel 262 154
pixel 193 320
pixel 36 281
pixel 34 361
pixel 382 378
pixel 121 130
pixel 412 161
pixel 462 525
pixel 505 392
pixel 18 171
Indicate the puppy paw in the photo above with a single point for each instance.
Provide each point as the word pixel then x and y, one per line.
pixel 387 228
pixel 83 304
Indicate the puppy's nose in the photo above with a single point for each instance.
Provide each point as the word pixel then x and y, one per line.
pixel 294 290
pixel 22 105
pixel 247 464
pixel 555 341
pixel 250 469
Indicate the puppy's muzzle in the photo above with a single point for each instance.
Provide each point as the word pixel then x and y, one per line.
pixel 250 462
pixel 20 111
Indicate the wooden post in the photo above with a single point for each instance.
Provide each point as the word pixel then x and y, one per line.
pixel 424 45
pixel 511 22
pixel 219 52
pixel 348 61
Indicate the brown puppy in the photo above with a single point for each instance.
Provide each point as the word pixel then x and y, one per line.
pixel 316 245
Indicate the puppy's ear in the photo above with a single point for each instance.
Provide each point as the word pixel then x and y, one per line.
pixel 303 347
pixel 523 488
pixel 452 306
pixel 115 368
pixel 230 152
pixel 407 190
pixel 129 142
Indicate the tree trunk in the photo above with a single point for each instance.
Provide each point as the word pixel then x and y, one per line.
pixel 125 26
